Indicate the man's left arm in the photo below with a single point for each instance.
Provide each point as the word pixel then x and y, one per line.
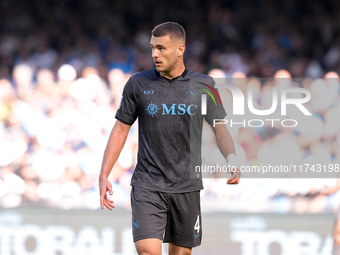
pixel 226 146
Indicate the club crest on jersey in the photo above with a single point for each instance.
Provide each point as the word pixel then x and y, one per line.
pixel 152 109
pixel 146 92
pixel 192 93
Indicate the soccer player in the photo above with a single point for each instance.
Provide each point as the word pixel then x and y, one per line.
pixel 165 195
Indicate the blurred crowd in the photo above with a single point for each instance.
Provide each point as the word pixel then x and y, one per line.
pixel 53 134
pixel 63 66
pixel 256 37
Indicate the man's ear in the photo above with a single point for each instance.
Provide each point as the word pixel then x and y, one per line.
pixel 180 50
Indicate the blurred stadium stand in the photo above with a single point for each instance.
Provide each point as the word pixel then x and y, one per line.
pixel 63 65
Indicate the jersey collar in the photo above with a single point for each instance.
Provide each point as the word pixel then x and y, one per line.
pixel 158 75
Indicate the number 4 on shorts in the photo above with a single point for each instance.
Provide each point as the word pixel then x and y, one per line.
pixel 197 224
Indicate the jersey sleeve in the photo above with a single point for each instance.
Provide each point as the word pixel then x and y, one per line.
pixel 215 109
pixel 127 110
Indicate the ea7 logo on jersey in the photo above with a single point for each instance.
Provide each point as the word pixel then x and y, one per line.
pixel 146 92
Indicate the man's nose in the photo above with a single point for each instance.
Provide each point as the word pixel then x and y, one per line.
pixel 154 53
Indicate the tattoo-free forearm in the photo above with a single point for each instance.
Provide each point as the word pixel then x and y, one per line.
pixel 113 148
pixel 224 140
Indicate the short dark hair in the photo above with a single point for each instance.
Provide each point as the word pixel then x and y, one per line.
pixel 173 29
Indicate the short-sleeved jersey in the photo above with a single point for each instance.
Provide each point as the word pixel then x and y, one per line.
pixel 170 127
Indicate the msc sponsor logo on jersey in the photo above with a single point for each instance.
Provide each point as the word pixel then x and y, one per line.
pixel 179 109
pixel 174 109
pixel 152 109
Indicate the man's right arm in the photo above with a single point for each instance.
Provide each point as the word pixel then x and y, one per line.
pixel 113 148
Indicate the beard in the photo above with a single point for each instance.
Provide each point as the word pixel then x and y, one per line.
pixel 166 68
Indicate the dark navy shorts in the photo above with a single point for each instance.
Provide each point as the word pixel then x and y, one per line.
pixel 172 217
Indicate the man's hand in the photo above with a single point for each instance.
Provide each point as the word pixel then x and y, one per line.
pixel 226 145
pixel 104 186
pixel 113 148
pixel 235 178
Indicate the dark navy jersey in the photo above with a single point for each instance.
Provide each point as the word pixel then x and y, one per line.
pixel 170 127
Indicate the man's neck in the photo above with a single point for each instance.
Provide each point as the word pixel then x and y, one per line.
pixel 173 73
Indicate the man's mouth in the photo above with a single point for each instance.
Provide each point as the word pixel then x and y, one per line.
pixel 158 63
